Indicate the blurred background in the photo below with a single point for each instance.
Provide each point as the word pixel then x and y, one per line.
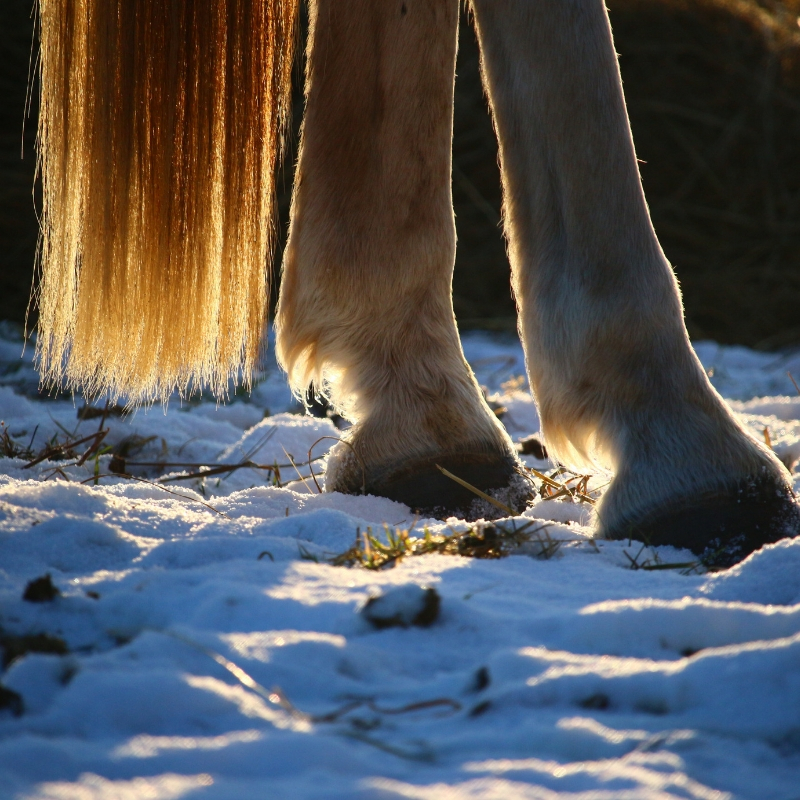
pixel 713 91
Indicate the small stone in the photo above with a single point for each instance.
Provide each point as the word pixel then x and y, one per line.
pixel 403 606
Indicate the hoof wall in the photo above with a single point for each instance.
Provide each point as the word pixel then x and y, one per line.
pixel 721 528
pixel 427 491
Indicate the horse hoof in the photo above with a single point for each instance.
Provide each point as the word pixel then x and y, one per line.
pixel 427 491
pixel 721 527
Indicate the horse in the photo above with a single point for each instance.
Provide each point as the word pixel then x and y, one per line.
pixel 162 123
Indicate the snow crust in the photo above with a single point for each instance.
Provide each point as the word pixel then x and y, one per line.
pixel 569 677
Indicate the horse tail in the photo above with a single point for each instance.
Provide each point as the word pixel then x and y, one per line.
pixel 160 131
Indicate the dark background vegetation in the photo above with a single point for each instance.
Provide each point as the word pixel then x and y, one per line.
pixel 713 90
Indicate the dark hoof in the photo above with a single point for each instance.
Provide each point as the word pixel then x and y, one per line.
pixel 427 491
pixel 721 528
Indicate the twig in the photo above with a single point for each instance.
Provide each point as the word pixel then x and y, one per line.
pixel 230 468
pixel 278 699
pixel 93 447
pixel 453 705
pixel 682 565
pixel 60 448
pixel 213 465
pixel 204 473
pixel 57 471
pixel 422 755
pixel 33 436
pixel 105 415
pixel 157 486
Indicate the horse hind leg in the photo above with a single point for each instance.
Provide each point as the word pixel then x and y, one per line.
pixel 365 303
pixel 612 368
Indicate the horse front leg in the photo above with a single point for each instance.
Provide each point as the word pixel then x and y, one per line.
pixel 365 302
pixel 614 374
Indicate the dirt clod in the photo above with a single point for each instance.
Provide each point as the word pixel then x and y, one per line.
pixel 14 647
pixel 402 607
pixel 598 702
pixel 10 700
pixel 532 446
pixel 41 590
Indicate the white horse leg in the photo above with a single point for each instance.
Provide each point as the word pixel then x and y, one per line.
pixel 366 295
pixel 614 375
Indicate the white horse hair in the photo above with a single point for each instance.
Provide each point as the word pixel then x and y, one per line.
pixel 161 127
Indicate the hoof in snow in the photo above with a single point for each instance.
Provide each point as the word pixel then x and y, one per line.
pixel 722 528
pixel 424 488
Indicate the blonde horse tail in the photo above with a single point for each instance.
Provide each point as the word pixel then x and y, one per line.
pixel 160 130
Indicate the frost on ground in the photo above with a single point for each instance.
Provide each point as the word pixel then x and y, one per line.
pixel 197 643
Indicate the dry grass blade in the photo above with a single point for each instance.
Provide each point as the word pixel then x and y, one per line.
pixel 355 453
pixel 284 484
pixel 299 475
pixel 10 448
pixel 275 697
pixel 635 561
pixel 553 490
pixel 655 564
pixel 489 499
pixel 544 478
pixel 260 443
pixel 481 540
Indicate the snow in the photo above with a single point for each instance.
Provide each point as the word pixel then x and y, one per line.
pixel 572 676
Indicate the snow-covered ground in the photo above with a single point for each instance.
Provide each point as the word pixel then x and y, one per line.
pixel 213 652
